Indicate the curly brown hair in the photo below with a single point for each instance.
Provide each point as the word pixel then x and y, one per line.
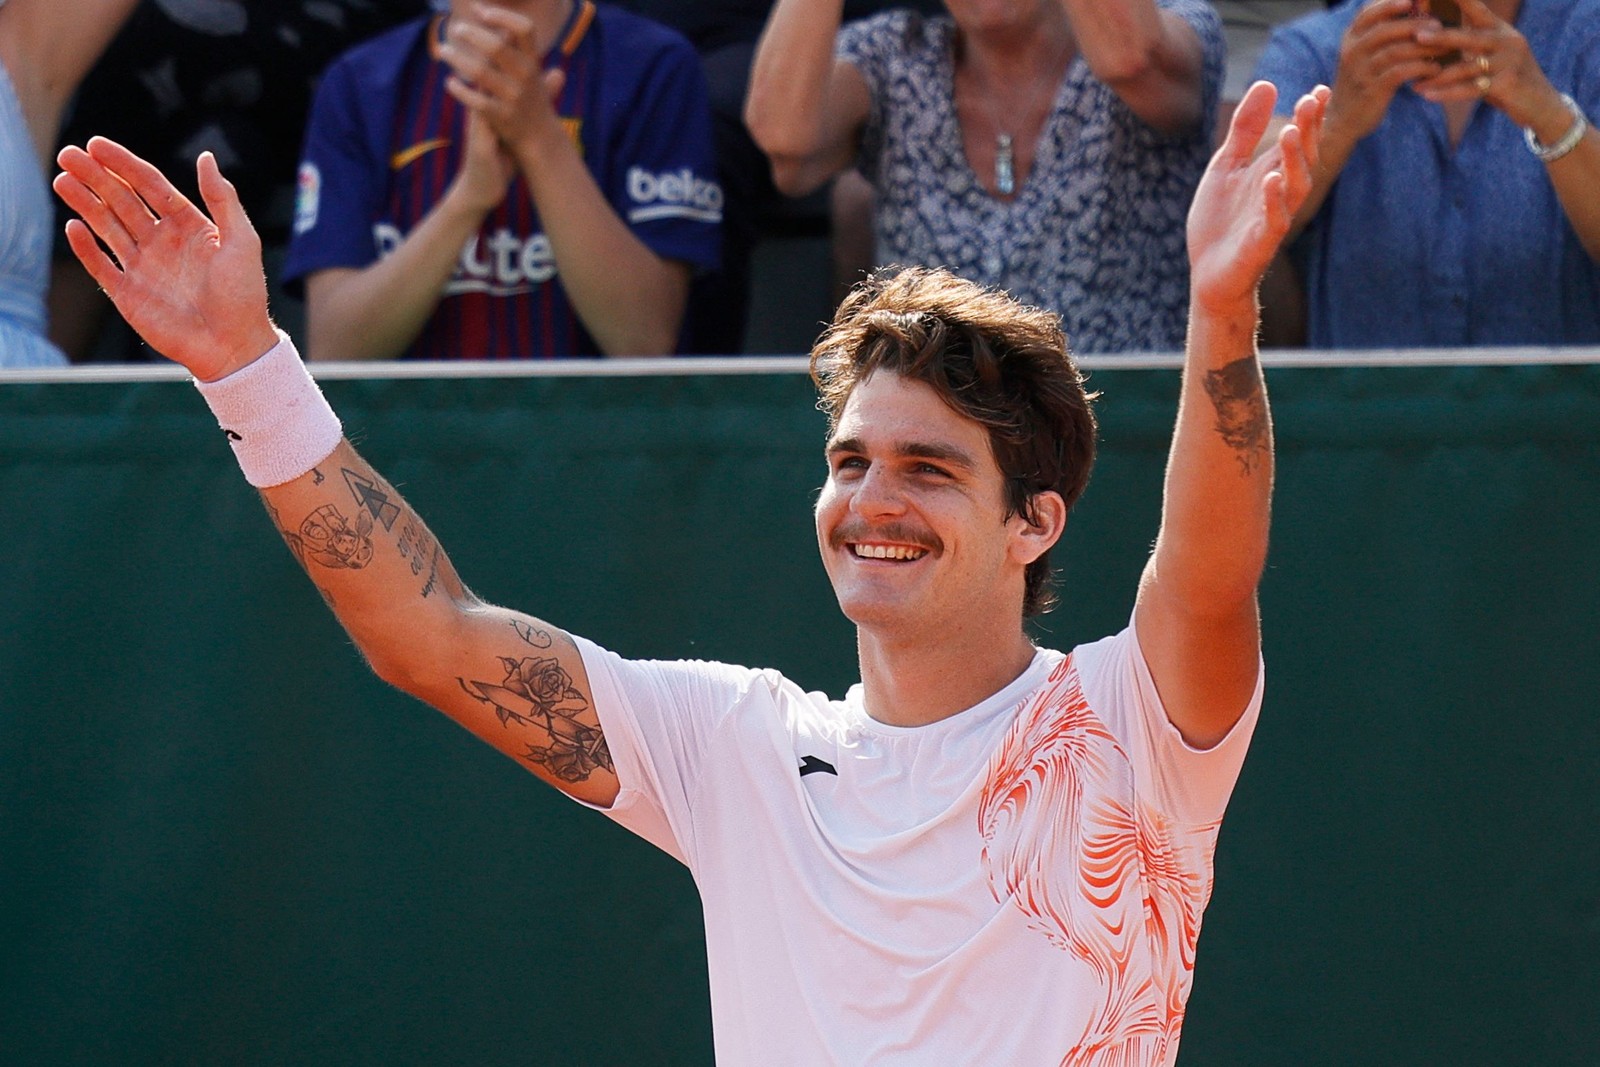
pixel 1002 364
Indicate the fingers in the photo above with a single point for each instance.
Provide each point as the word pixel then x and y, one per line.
pixel 1309 113
pixel 1275 199
pixel 100 218
pixel 555 79
pixel 104 200
pixel 148 183
pixel 1381 11
pixel 1476 13
pixel 222 201
pixel 1250 121
pixel 471 97
pixel 517 27
pixel 497 53
pixel 92 256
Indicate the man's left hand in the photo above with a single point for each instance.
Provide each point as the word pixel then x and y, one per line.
pixel 1242 209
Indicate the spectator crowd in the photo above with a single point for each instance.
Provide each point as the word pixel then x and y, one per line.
pixel 497 179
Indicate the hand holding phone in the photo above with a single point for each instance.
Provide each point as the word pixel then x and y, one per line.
pixel 1448 13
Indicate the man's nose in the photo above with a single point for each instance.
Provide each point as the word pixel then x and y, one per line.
pixel 878 493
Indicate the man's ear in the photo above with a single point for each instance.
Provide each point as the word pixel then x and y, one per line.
pixel 1030 540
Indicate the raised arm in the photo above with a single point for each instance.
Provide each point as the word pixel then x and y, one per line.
pixel 804 108
pixel 48 47
pixel 1150 57
pixel 1196 614
pixel 194 289
pixel 630 299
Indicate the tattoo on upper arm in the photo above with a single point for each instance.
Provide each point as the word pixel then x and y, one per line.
pixel 1241 406
pixel 317 477
pixel 532 635
pixel 537 695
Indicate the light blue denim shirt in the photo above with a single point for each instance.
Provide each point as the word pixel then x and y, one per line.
pixel 1421 245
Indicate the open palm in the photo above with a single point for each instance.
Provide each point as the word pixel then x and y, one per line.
pixel 192 287
pixel 1242 208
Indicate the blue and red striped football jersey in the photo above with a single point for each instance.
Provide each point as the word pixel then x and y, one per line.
pixel 384 141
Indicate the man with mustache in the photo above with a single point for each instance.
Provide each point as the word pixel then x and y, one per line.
pixel 987 851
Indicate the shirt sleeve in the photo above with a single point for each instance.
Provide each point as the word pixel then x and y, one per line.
pixel 1191 784
pixel 1207 25
pixel 339 186
pixel 658 718
pixel 665 186
pixel 876 47
pixel 1294 63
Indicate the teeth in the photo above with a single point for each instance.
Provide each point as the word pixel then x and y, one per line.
pixel 899 552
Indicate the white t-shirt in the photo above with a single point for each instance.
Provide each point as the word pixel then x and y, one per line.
pixel 1020 883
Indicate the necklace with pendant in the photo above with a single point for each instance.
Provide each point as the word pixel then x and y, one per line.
pixel 1004 176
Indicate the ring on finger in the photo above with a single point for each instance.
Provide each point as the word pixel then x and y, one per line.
pixel 1483 63
pixel 1482 82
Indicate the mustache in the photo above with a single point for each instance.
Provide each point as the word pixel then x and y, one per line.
pixel 899 533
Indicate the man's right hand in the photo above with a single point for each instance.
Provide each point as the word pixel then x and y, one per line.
pixel 1379 54
pixel 192 287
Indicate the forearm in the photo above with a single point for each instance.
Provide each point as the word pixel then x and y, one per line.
pixel 1576 176
pixel 1213 540
pixel 787 108
pixel 374 562
pixel 512 680
pixel 1152 59
pixel 376 311
pixel 48 48
pixel 630 299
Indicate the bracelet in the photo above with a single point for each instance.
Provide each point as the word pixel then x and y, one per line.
pixel 274 416
pixel 1569 140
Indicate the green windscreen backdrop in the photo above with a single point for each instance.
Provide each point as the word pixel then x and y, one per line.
pixel 222 841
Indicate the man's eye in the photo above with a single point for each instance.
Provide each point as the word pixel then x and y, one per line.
pixel 929 468
pixel 851 463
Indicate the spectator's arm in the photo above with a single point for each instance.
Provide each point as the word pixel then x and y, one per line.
pixel 1378 54
pixel 1151 58
pixel 630 300
pixel 1576 176
pixel 804 107
pixel 1518 86
pixel 48 47
pixel 374 312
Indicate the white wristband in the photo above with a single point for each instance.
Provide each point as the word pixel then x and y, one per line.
pixel 274 415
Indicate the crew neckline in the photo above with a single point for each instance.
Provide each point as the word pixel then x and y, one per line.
pixel 1007 697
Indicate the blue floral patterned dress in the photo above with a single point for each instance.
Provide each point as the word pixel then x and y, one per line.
pixel 1095 232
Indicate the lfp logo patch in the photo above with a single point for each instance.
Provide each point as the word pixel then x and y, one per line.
pixel 308 194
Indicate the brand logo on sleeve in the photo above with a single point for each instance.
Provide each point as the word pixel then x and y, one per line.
pixel 307 196
pixel 679 194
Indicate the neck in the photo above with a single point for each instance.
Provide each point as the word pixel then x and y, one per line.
pixel 922 682
pixel 1013 59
